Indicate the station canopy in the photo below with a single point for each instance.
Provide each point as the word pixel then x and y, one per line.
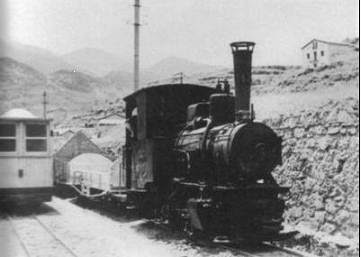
pixel 18 113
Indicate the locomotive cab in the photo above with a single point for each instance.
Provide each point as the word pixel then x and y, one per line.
pixel 161 115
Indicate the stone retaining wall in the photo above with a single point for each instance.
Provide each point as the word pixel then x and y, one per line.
pixel 321 164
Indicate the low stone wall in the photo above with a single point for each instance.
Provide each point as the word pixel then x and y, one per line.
pixel 321 164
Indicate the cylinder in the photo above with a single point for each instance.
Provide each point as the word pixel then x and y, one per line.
pixel 242 63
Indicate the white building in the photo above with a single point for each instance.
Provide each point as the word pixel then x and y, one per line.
pixel 111 120
pixel 317 52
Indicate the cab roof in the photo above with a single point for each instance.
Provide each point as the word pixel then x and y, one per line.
pixel 159 88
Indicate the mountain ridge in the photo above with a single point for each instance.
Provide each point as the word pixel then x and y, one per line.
pixel 95 61
pixel 171 65
pixel 41 59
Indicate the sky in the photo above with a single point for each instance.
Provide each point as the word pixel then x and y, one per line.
pixel 199 30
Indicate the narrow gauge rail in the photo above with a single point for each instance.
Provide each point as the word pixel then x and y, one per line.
pixel 273 251
pixel 261 250
pixel 55 240
pixel 8 218
pixel 289 251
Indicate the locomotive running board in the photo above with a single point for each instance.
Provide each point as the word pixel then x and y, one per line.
pixel 272 188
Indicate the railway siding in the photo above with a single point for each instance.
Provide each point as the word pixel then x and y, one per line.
pixel 10 243
pixel 37 239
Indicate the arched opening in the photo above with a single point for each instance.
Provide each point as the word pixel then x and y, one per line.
pixel 91 171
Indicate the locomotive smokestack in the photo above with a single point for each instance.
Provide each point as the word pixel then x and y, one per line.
pixel 242 61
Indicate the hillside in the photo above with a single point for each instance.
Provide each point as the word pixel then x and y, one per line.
pixel 20 84
pixel 40 59
pixel 96 62
pixel 163 71
pixel 169 66
pixel 287 89
pixel 76 81
pixel 284 79
pixel 121 80
pixel 68 92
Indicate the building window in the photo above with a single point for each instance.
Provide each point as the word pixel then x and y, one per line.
pixel 308 56
pixel 322 53
pixel 7 137
pixel 36 138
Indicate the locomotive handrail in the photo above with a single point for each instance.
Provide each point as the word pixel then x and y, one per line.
pixel 205 135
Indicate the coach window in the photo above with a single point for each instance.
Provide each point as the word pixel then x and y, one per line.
pixel 36 138
pixel 7 137
pixel 133 122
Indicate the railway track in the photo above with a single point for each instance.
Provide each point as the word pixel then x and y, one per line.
pixel 259 250
pixel 270 250
pixel 289 251
pixel 37 239
pixel 264 250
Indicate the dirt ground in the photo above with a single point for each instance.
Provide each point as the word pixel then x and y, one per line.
pixel 60 228
pixel 63 228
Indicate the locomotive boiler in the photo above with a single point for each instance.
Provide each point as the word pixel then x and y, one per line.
pixel 195 156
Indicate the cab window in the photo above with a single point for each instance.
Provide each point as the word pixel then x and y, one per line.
pixel 7 137
pixel 36 138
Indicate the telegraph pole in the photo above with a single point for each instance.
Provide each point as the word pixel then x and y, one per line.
pixel 136 43
pixel 180 77
pixel 44 105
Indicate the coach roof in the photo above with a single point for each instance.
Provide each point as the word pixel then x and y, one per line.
pixel 20 114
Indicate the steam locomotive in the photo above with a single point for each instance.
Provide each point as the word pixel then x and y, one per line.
pixel 195 157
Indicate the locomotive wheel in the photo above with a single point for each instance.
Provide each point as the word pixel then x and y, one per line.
pixel 175 220
pixel 146 209
pixel 194 234
pixel 169 213
pixel 190 231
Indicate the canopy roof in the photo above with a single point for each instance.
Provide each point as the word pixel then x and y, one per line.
pixel 19 114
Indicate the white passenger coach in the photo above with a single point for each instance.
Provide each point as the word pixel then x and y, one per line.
pixel 26 164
